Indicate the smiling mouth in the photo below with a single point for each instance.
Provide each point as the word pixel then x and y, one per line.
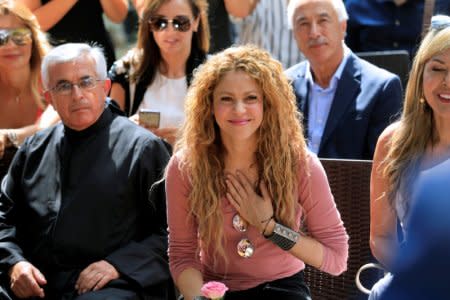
pixel 444 98
pixel 239 122
pixel 10 55
pixel 171 41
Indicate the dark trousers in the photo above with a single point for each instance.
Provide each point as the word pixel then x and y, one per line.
pixel 288 288
pixel 107 293
pixel 117 289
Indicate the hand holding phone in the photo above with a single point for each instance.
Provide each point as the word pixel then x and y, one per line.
pixel 149 118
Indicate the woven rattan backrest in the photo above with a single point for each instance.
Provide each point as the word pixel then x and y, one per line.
pixel 350 185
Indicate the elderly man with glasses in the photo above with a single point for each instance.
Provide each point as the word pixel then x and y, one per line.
pixel 81 212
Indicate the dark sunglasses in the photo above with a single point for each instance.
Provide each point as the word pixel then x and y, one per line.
pixel 20 36
pixel 179 23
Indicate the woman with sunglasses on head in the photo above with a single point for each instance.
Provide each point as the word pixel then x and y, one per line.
pixel 173 39
pixel 22 47
pixel 412 147
pixel 242 187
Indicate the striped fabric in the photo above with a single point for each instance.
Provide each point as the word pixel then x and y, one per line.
pixel 268 28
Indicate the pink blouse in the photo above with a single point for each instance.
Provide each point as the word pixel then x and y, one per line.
pixel 268 262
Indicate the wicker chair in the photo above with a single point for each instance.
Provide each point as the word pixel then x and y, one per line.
pixel 5 161
pixel 350 185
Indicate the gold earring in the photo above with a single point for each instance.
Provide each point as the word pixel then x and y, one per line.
pixel 421 100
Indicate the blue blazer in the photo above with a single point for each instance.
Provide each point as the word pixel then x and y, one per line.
pixel 367 100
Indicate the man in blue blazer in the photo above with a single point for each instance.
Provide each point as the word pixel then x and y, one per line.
pixel 346 101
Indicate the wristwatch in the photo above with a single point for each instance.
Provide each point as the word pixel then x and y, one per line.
pixel 283 237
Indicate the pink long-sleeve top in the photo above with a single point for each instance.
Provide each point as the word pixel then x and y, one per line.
pixel 268 262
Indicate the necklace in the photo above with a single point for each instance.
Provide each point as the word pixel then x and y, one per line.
pixel 18 96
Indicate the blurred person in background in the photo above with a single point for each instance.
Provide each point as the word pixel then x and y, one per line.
pixel 264 23
pixel 220 26
pixel 346 101
pixel 79 20
pixel 22 47
pixel 222 31
pixel 375 25
pixel 378 25
pixel 173 39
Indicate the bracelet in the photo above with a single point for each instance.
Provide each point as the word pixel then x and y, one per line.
pixel 283 237
pixel 265 226
pixel 12 137
pixel 267 220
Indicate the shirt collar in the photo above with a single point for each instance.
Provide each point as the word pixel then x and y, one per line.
pixel 103 120
pixel 337 74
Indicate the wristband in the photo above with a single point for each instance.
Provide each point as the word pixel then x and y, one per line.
pixel 283 237
pixel 12 137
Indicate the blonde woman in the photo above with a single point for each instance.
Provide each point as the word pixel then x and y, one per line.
pixel 241 173
pixel 22 47
pixel 413 146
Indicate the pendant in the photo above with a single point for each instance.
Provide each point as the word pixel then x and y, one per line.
pixel 239 224
pixel 245 248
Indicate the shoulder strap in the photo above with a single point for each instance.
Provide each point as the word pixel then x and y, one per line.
pixel 132 92
pixel 427 14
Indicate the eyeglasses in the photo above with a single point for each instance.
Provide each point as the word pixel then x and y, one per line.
pixel 20 36
pixel 65 88
pixel 245 247
pixel 179 23
pixel 439 22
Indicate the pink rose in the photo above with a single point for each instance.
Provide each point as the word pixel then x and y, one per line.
pixel 214 290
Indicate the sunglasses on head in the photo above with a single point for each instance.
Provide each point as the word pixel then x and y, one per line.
pixel 179 23
pixel 440 22
pixel 20 36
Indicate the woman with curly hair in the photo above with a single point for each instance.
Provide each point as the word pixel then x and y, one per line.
pixel 242 186
pixel 173 39
pixel 22 47
pixel 411 147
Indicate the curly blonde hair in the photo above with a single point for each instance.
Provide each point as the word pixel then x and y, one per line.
pixel 416 128
pixel 281 146
pixel 40 45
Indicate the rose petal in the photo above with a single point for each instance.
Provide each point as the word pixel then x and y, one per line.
pixel 214 289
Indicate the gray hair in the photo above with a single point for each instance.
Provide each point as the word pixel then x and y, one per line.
pixel 339 7
pixel 70 52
